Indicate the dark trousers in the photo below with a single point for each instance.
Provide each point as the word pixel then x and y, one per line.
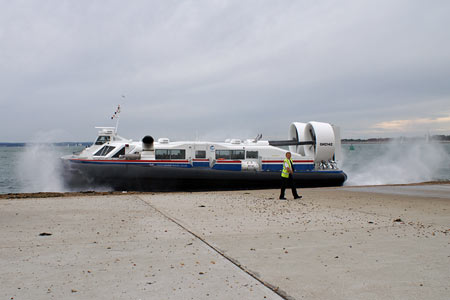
pixel 288 182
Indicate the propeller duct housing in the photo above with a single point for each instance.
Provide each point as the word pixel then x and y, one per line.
pixel 295 132
pixel 322 134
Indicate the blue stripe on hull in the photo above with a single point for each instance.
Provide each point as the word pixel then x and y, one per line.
pixel 279 167
pixel 228 167
pixel 201 164
pixel 171 165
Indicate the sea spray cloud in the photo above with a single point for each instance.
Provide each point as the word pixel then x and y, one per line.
pixel 396 163
pixel 38 167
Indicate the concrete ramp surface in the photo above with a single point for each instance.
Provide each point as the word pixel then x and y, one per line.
pixel 336 243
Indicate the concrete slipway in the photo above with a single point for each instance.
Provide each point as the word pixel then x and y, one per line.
pixel 336 243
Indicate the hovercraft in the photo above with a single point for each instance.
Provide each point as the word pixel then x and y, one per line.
pixel 117 163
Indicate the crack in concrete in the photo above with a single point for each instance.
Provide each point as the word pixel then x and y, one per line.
pixel 274 289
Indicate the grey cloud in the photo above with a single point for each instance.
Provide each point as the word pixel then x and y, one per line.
pixel 236 68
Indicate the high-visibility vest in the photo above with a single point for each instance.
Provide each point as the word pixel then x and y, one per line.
pixel 285 172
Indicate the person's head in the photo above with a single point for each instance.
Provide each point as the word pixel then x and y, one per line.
pixel 288 155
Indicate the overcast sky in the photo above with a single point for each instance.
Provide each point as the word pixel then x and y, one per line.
pixel 220 69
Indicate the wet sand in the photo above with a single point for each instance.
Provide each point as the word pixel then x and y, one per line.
pixel 385 242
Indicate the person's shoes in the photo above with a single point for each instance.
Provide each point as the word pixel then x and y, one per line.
pixel 282 198
pixel 298 197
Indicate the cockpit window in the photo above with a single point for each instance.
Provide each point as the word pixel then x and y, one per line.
pixel 102 139
pixel 104 151
pixel 119 153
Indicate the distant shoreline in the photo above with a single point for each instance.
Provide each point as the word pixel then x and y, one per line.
pixel 347 142
pixel 344 142
pixel 60 144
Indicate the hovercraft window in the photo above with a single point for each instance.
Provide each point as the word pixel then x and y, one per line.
pixel 177 154
pixel 223 154
pixel 170 154
pixel 162 154
pixel 252 154
pixel 230 154
pixel 120 152
pixel 237 154
pixel 102 139
pixel 104 151
pixel 200 154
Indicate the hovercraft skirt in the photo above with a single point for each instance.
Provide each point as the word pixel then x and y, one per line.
pixel 140 177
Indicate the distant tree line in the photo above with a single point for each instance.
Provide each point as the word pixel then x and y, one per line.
pixel 440 137
pixel 437 138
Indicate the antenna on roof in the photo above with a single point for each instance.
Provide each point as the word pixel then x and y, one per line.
pixel 116 116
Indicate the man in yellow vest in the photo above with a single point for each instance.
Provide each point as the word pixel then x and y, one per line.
pixel 287 177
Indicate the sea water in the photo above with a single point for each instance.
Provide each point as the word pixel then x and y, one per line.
pixel 36 168
pixel 32 168
pixel 396 163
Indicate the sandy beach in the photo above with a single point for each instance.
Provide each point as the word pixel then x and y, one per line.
pixel 379 242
